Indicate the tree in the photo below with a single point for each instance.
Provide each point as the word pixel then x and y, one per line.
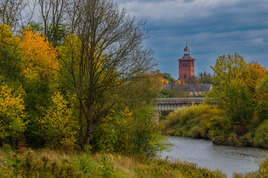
pixel 14 13
pixel 168 77
pixel 204 78
pixel 12 114
pixel 229 89
pixel 39 58
pixel 9 53
pixel 255 72
pixel 39 74
pixel 54 13
pixel 262 92
pixel 10 11
pixel 58 126
pixel 110 55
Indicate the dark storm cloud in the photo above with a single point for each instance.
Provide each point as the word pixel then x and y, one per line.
pixel 212 28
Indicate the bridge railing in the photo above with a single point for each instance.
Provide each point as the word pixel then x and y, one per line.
pixel 180 100
pixel 175 103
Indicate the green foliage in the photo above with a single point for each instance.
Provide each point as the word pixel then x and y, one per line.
pixel 197 121
pixel 45 163
pixel 261 135
pixel 127 134
pixel 262 105
pixel 9 53
pixel 229 89
pixel 263 168
pixel 58 127
pixel 166 93
pixel 239 102
pixel 168 77
pixel 219 126
pixel 205 78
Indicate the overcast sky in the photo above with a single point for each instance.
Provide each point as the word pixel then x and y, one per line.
pixel 211 27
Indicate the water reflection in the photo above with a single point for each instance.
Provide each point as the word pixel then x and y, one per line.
pixel 205 154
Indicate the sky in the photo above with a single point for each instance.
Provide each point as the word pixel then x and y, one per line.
pixel 211 28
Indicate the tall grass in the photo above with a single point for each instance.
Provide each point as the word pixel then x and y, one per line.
pixel 49 163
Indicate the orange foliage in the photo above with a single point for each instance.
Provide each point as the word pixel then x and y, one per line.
pixel 39 57
pixel 255 72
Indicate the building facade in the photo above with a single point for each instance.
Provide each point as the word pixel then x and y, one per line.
pixel 186 66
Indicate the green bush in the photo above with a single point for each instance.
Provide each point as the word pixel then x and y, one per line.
pixel 201 121
pixel 219 126
pixel 261 135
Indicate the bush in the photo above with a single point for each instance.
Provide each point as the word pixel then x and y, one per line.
pixel 261 135
pixel 12 114
pixel 130 133
pixel 219 126
pixel 201 121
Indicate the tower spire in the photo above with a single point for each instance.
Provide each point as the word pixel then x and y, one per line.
pixel 186 49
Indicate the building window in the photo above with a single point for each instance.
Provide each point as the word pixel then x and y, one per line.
pixel 184 76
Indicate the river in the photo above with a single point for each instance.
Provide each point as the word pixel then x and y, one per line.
pixel 205 154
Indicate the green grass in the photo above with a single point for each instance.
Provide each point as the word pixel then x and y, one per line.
pixel 49 163
pixel 52 163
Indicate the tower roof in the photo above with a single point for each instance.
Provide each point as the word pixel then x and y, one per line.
pixel 186 49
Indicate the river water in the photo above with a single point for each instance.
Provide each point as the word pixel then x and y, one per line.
pixel 205 154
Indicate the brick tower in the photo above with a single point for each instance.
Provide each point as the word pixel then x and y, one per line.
pixel 186 66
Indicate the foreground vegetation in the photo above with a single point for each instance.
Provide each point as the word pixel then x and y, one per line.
pixel 47 163
pixel 209 122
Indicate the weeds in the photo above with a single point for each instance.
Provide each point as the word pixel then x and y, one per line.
pixel 47 163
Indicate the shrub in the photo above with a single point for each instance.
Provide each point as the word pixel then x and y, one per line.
pixel 58 126
pixel 261 135
pixel 12 114
pixel 197 121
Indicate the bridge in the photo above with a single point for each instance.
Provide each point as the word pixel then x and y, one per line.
pixel 164 104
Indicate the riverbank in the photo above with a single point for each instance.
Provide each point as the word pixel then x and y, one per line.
pixel 204 153
pixel 51 163
pixel 210 122
pixel 48 163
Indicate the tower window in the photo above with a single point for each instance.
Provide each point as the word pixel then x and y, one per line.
pixel 184 76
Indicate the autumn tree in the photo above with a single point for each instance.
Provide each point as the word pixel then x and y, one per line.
pixel 12 114
pixel 168 77
pixel 57 125
pixel 10 11
pixel 255 73
pixel 38 68
pixel 16 13
pixel 110 55
pixel 262 92
pixel 229 90
pixel 53 15
pixel 204 77
pixel 39 58
pixel 9 53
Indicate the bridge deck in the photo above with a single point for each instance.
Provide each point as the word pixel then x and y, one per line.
pixel 175 103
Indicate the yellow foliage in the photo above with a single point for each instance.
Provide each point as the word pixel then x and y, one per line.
pixel 11 111
pixel 38 56
pixel 6 38
pixel 165 81
pixel 255 72
pixel 117 129
pixel 58 126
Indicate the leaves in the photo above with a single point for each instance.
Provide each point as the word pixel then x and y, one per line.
pixel 58 126
pixel 39 58
pixel 12 113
